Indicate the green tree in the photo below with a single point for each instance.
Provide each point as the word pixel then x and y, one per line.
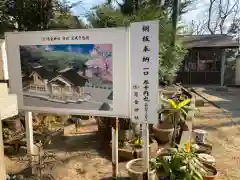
pixel 6 21
pixel 66 21
pixel 31 15
pixel 170 58
pixel 63 18
pixel 129 7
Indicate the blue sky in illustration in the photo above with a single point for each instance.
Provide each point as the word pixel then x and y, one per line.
pixel 77 48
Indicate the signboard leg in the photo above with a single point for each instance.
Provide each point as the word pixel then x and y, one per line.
pixel 29 134
pixel 115 149
pixel 2 164
pixel 145 133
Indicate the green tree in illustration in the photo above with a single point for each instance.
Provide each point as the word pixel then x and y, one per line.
pixel 58 59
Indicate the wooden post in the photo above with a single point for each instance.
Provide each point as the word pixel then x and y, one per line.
pixel 237 71
pixel 223 61
pixel 145 133
pixel 29 135
pixel 29 132
pixel 2 164
pixel 115 149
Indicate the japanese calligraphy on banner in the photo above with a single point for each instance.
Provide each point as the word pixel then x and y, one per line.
pixel 144 71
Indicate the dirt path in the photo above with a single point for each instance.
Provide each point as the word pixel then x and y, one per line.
pixel 79 157
pixel 83 156
pixel 224 135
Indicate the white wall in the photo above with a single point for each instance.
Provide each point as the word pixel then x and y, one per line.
pixel 3 57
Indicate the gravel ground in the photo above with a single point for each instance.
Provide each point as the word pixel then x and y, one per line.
pixel 79 157
pixel 224 136
pixel 83 157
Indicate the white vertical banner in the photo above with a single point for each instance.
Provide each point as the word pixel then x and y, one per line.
pixel 144 39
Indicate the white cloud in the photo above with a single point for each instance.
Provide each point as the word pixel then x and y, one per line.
pixel 84 7
pixel 69 48
pixel 48 48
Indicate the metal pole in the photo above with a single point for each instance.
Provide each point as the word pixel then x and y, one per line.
pixel 145 134
pixel 115 149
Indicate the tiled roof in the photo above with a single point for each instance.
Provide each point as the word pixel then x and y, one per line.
pixel 44 73
pixel 216 40
pixel 74 78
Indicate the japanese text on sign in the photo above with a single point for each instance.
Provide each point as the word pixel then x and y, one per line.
pixel 146 39
pixel 136 101
pixel 144 71
pixel 58 38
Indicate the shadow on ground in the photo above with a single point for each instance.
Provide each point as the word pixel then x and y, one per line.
pixel 216 126
pixel 119 178
pixel 83 143
pixel 225 98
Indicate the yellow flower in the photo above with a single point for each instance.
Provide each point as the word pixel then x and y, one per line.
pixel 138 141
pixel 188 147
pixel 172 103
pixel 183 103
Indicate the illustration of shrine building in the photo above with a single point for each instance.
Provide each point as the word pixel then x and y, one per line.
pixel 58 84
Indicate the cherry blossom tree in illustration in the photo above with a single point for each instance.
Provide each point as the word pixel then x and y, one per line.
pixel 101 66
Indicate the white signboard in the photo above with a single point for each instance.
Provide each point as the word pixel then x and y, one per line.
pixel 144 71
pixel 74 71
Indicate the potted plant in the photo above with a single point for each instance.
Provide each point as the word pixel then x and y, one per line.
pixel 163 132
pixel 175 110
pixel 132 149
pixel 182 164
pixel 136 170
pixel 203 148
pixel 211 172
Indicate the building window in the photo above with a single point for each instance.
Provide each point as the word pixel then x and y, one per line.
pixel 208 60
pixel 55 88
pixel 67 89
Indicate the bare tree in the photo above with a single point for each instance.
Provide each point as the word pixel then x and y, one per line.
pixel 198 27
pixel 220 14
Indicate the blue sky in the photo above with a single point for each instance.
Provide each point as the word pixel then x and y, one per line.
pixel 86 5
pixel 78 48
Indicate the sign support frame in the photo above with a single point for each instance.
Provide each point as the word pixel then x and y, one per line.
pixel 115 129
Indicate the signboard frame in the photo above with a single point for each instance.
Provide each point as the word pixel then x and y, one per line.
pixel 117 37
pixel 144 71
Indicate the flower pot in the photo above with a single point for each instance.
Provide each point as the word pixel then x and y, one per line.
pixel 199 135
pixel 204 148
pixel 162 176
pixel 125 135
pixel 126 153
pixel 163 132
pixel 207 159
pixel 211 176
pixel 136 170
pixel 168 93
